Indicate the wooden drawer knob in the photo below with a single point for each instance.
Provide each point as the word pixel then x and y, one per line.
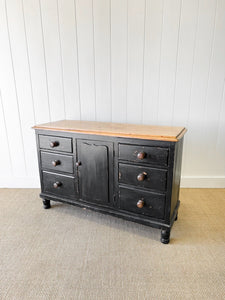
pixel 141 155
pixel 57 184
pixel 54 144
pixel 78 163
pixel 140 203
pixel 141 176
pixel 55 163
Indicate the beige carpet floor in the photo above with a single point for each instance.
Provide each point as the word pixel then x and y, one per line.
pixel 70 253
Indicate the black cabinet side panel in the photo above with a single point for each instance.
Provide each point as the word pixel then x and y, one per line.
pixel 176 175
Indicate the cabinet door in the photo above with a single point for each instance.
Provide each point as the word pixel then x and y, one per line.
pixel 95 172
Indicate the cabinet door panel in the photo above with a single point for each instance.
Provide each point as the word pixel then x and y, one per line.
pixel 95 170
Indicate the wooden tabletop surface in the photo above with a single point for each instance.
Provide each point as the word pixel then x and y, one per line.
pixel 149 132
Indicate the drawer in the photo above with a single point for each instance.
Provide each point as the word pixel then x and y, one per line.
pixel 55 143
pixel 59 185
pixel 144 154
pixel 57 162
pixel 145 203
pixel 142 176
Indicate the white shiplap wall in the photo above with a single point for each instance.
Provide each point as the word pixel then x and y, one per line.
pixel 137 61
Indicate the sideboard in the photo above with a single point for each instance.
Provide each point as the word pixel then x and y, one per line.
pixel 125 170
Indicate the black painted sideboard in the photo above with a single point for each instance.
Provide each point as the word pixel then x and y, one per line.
pixel 129 171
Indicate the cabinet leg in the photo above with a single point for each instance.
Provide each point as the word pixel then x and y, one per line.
pixel 176 217
pixel 46 203
pixel 165 236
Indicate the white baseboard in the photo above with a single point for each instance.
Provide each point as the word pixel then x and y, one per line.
pixel 186 182
pixel 203 181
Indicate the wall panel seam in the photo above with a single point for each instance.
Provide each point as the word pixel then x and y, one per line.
pixel 78 66
pixel 93 40
pixel 61 60
pixel 110 57
pixel 28 60
pixel 127 61
pixel 176 67
pixel 6 131
pixel 210 64
pixel 160 60
pixel 46 72
pixel 143 63
pixel 192 67
pixel 222 103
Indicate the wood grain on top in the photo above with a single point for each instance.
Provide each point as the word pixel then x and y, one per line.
pixel 149 132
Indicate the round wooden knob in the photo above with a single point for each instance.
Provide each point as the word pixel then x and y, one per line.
pixel 141 155
pixel 57 184
pixel 55 163
pixel 141 176
pixel 78 163
pixel 53 144
pixel 140 203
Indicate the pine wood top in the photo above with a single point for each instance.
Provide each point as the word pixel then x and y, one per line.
pixel 148 132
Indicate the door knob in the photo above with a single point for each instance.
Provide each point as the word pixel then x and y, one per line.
pixel 78 163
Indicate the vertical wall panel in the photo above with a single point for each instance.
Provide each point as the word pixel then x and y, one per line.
pixel 37 62
pixel 102 46
pixel 119 60
pixel 85 30
pixel 136 31
pixel 220 140
pixel 201 68
pixel 5 159
pixel 185 56
pixel 10 98
pixel 168 63
pixel 152 56
pixel 50 21
pixel 185 63
pixel 68 38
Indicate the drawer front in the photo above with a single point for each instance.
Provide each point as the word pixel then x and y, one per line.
pixel 144 154
pixel 143 176
pixel 145 203
pixel 55 143
pixel 57 162
pixel 59 185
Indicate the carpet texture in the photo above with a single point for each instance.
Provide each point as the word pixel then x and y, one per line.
pixel 68 252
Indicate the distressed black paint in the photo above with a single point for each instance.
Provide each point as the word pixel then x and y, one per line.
pixel 154 179
pixel 152 155
pixel 100 173
pixel 94 169
pixel 63 163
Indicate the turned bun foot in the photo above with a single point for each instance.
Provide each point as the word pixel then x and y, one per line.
pixel 46 204
pixel 165 236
